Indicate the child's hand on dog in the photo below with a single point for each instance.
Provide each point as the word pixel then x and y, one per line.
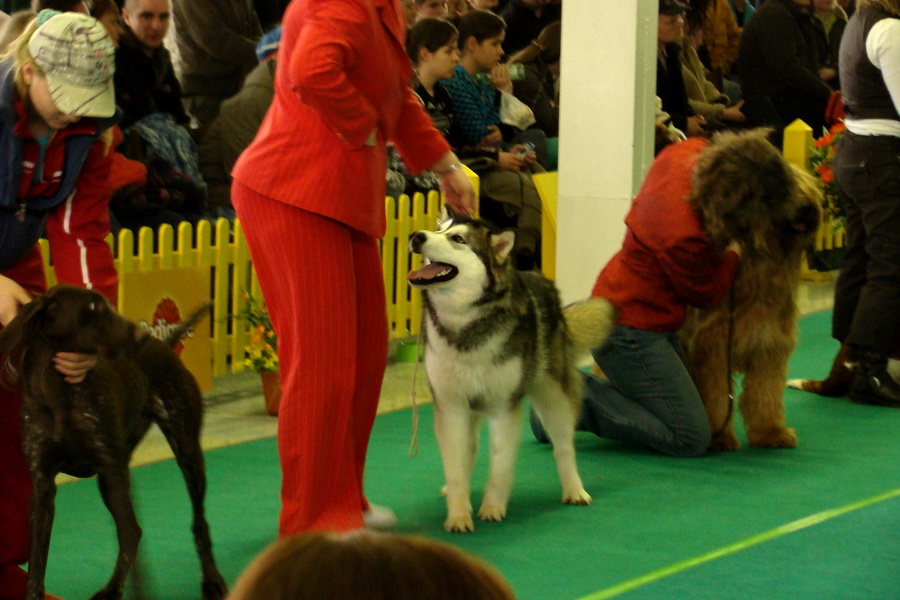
pixel 73 365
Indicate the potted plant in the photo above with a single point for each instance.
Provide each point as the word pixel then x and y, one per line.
pixel 821 164
pixel 261 354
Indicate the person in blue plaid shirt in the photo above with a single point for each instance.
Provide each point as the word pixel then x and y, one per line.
pixel 477 83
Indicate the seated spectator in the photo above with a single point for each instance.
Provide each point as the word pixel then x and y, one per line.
pixel 670 86
pixel 145 78
pixel 778 61
pixel 539 88
pixel 237 123
pixel 216 42
pixel 433 9
pixel 143 195
pixel 525 19
pixel 830 21
pixel 508 196
pixel 363 564
pixel 410 9
pixel 478 83
pixel 716 36
pixel 14 26
pixel 705 98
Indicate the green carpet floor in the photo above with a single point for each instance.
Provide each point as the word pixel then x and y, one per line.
pixel 652 515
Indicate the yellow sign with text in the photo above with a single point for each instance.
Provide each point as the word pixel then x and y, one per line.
pixel 160 300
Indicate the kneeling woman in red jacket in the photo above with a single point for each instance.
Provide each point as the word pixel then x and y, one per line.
pixel 668 262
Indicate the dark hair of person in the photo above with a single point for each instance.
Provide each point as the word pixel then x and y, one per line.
pixel 60 5
pixel 545 48
pixel 102 7
pixel 696 15
pixel 479 24
pixel 431 34
pixel 370 565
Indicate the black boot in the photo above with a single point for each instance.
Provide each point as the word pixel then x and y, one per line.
pixel 873 384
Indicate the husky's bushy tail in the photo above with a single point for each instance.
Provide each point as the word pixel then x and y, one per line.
pixel 590 322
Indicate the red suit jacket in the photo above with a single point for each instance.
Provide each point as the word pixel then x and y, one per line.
pixel 342 74
pixel 666 263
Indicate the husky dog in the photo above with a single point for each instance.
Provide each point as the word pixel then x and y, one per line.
pixel 492 335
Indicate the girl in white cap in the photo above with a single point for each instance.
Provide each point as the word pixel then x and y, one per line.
pixel 56 107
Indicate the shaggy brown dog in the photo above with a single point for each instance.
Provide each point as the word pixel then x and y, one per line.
pixel 773 216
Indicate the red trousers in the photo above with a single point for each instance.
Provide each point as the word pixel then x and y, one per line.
pixel 322 282
pixel 15 481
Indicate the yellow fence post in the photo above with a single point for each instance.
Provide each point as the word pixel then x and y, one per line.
pixel 547 185
pixel 797 149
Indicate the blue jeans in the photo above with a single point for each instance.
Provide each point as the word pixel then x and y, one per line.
pixel 649 397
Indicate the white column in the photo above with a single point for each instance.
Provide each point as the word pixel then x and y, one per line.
pixel 607 100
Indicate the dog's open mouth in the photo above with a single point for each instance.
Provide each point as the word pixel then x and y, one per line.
pixel 435 272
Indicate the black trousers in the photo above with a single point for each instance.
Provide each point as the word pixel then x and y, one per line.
pixel 867 294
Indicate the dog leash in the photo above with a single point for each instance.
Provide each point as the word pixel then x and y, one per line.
pixel 414 443
pixel 729 340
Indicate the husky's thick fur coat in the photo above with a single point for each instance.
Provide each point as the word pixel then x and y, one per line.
pixel 492 335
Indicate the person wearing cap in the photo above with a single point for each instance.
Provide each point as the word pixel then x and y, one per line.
pixel 56 106
pixel 670 85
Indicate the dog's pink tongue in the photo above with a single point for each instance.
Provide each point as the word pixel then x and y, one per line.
pixel 429 271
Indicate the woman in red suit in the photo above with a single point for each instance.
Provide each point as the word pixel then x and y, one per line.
pixel 309 192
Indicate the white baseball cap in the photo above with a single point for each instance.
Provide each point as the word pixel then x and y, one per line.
pixel 78 59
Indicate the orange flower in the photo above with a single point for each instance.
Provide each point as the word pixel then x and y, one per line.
pixel 824 141
pixel 826 174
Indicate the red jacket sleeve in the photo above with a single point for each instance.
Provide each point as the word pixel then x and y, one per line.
pixel 318 69
pixel 78 227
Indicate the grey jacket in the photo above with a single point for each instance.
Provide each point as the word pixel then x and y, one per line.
pixel 216 42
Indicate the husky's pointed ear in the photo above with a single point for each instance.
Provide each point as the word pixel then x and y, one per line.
pixel 446 215
pixel 502 244
pixel 21 328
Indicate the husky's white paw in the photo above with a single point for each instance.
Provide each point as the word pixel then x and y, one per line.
pixel 492 512
pixel 795 384
pixel 578 497
pixel 462 524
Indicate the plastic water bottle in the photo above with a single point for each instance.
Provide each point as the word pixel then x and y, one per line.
pixel 516 72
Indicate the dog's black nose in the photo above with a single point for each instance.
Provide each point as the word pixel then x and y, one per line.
pixel 417 237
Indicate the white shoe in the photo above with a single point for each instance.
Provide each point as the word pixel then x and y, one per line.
pixel 380 518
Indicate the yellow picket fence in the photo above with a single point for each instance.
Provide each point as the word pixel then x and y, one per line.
pixel 797 149
pixel 404 216
pixel 212 265
pixel 209 265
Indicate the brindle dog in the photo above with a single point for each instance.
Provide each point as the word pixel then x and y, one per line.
pixel 92 427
